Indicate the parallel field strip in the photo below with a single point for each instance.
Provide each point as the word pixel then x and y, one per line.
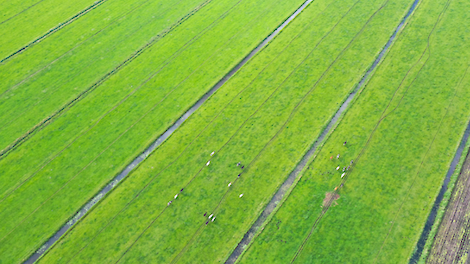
pixel 36 111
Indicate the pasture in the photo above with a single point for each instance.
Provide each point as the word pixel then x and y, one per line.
pixel 112 76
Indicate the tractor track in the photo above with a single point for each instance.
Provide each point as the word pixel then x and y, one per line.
pixel 55 29
pixel 41 125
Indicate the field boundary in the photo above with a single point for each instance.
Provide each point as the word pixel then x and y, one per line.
pixel 83 94
pixel 54 29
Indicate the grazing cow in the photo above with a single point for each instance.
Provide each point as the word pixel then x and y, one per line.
pixel 342 175
pixel 176 196
pixel 229 184
pixel 213 219
pixel 212 153
pixel 209 162
pixel 241 195
pixel 337 156
pixel 337 168
pixel 210 216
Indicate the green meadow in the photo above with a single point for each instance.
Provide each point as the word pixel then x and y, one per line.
pixel 401 134
pixel 82 103
pixel 259 114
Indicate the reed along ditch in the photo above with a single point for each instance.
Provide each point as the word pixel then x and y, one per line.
pixel 437 203
pixel 129 168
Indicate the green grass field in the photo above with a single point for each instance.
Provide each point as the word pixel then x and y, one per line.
pixel 254 136
pixel 78 106
pixel 405 127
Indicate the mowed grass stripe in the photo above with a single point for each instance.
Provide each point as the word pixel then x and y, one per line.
pixel 337 237
pixel 40 98
pixel 25 30
pixel 167 182
pixel 241 44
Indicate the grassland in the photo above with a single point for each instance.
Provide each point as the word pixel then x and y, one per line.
pixel 62 165
pixel 266 107
pixel 20 25
pixel 401 133
pixel 43 81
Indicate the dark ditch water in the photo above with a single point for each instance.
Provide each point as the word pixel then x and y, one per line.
pixel 295 173
pixel 35 256
pixel 432 216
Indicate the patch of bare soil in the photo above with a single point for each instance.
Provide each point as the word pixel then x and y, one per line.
pixel 330 198
pixel 452 240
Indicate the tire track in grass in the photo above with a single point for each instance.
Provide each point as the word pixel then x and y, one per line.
pixel 122 134
pixel 55 29
pixel 82 212
pixel 331 200
pixel 73 48
pixel 19 13
pixel 41 125
pixel 202 131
